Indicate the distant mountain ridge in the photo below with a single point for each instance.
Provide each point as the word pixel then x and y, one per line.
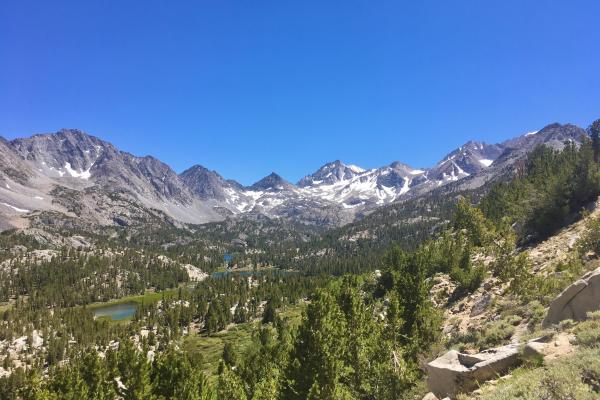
pixel 85 177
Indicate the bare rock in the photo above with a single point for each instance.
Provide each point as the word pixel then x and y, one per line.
pixel 456 372
pixel 430 396
pixel 481 305
pixel 576 300
pixel 535 349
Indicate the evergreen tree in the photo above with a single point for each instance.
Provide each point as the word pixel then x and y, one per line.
pixel 418 318
pixel 96 376
pixel 270 313
pixel 595 136
pixel 229 355
pixel 471 221
pixel 68 384
pixel 134 372
pixel 229 385
pixel 315 362
pixel 268 387
pixel 174 377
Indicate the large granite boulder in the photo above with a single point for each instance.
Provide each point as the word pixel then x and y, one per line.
pixel 576 300
pixel 456 372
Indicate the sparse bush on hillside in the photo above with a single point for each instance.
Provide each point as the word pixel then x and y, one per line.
pixel 590 241
pixel 534 314
pixel 588 332
pixel 492 334
pixel 468 276
pixel 496 333
pixel 573 378
pixel 502 248
pixel 518 273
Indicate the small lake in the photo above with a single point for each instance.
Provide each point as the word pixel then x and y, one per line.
pixel 116 312
pixel 223 274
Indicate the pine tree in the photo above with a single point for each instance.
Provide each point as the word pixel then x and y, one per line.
pixel 229 385
pixel 174 377
pixel 134 373
pixel 316 358
pixel 270 313
pixel 419 319
pixel 268 387
pixel 595 136
pixel 96 375
pixel 229 355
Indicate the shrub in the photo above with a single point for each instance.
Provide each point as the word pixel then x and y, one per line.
pixel 566 324
pixel 496 333
pixel 463 341
pixel 588 332
pixel 468 280
pixel 534 314
pixel 594 315
pixel 591 240
pixel 576 377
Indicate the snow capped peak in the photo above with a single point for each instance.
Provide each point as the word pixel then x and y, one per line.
pixel 404 169
pixel 334 194
pixel 331 173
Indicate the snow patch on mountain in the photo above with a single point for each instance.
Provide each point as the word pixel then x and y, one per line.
pixel 355 168
pixel 405 188
pixel 78 174
pixel 17 209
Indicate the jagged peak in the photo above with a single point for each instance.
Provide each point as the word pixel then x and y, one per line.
pixel 271 181
pixel 197 168
pixel 331 172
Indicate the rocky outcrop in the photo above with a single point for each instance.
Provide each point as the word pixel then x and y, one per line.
pixel 536 348
pixel 576 300
pixel 456 372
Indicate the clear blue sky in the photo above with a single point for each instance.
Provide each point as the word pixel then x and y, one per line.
pixel 250 87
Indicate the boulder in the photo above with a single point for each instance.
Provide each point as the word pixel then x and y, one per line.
pixel 444 374
pixel 456 372
pixel 576 300
pixel 430 396
pixel 535 348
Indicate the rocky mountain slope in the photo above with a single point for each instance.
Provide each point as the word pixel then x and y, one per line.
pixel 494 320
pixel 80 176
pixel 338 193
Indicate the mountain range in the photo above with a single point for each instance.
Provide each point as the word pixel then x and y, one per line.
pixel 80 176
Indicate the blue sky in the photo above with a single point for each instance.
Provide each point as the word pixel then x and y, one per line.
pixel 250 87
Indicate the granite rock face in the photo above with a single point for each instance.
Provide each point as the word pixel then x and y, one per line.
pixel 456 372
pixel 576 300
